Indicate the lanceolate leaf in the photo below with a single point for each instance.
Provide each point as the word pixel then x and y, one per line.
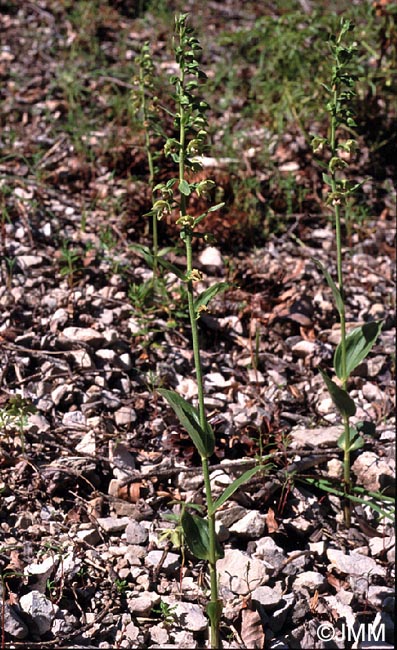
pixel 358 344
pixel 234 486
pixel 196 531
pixel 188 416
pixel 202 216
pixel 204 297
pixel 145 252
pixel 340 397
pixel 331 284
pixel 327 486
pixel 171 267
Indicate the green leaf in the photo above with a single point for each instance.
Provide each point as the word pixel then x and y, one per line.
pixel 197 536
pixel 356 441
pixel 145 252
pixel 326 485
pixel 188 416
pixel 204 214
pixel 203 299
pixel 184 188
pixel 327 179
pixel 331 284
pixel 218 206
pixel 340 397
pixel 171 267
pixel 358 344
pixel 230 490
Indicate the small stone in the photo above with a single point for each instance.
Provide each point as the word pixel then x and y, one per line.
pixel 125 416
pixel 107 316
pixel 89 535
pixel 131 631
pixel 311 580
pixel 216 379
pixel 252 525
pixel 81 358
pixel 316 437
pixel 354 564
pixel 122 462
pixel 143 604
pixel 135 533
pixel 375 365
pixel 83 335
pixel 26 262
pixel 317 547
pixel 344 611
pixel 184 639
pixel 187 387
pixel 134 554
pixel 304 348
pixel 190 616
pixel 113 524
pixel 13 625
pixel 73 419
pixel 382 597
pixel 211 256
pixel 379 545
pixel 59 318
pixel 106 355
pixel 335 468
pixel 219 480
pixel 41 572
pixel 241 573
pixel 159 634
pixel 40 608
pixel 268 597
pixel 255 377
pixel 268 551
pixel 230 515
pixel 87 444
pixel 170 565
pixel 125 361
pixel 372 472
pixel 279 616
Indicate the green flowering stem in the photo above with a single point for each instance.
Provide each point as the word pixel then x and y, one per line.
pixel 341 114
pixel 145 85
pixel 184 116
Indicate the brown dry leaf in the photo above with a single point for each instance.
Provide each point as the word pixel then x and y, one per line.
pixel 308 334
pixel 336 582
pixel 271 523
pixel 251 629
pixel 313 603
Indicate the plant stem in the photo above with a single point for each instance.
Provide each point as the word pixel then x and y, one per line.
pixel 342 315
pixel 149 157
pixel 216 610
pixel 215 617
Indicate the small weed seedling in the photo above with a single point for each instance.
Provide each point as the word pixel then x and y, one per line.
pixel 166 612
pixel 69 258
pixel 14 416
pixel 355 345
pixel 190 123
